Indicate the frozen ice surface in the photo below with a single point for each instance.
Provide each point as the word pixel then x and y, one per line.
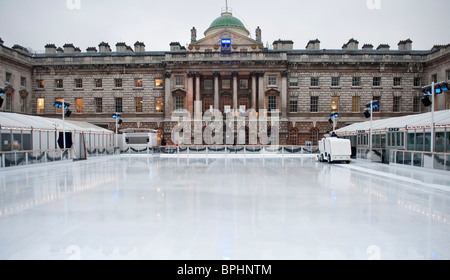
pixel 152 208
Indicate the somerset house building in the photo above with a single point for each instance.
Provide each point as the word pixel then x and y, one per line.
pixel 226 68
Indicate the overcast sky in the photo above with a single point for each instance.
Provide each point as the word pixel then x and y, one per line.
pixel 35 23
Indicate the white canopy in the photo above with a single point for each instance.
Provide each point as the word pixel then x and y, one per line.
pixel 18 121
pixel 441 118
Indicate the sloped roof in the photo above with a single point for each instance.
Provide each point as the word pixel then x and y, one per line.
pixel 441 118
pixel 19 121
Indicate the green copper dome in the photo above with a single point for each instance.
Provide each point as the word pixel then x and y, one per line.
pixel 227 20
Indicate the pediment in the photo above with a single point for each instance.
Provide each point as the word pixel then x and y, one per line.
pixel 216 39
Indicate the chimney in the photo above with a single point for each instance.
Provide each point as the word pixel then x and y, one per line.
pixel 77 50
pixel 351 45
pixel 69 48
pixel 60 50
pixel 367 47
pixel 1 42
pixel 313 45
pixel 121 47
pixel 383 47
pixel 20 48
pixel 139 47
pixel 50 49
pixel 283 45
pixel 104 47
pixel 405 45
pixel 91 50
pixel 175 47
pixel 193 35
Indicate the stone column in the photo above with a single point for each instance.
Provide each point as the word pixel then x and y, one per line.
pixel 284 93
pixel 168 92
pixel 190 95
pixel 262 99
pixel 216 90
pixel 254 75
pixel 199 109
pixel 235 91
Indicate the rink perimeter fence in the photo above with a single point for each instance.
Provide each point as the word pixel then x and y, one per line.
pixel 25 158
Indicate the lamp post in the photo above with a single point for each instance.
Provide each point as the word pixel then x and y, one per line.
pixel 118 119
pixel 370 106
pixel 63 106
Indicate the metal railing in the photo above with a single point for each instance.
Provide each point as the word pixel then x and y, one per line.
pixel 22 158
pixel 439 161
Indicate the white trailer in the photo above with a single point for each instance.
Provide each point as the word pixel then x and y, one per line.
pixel 334 149
pixel 139 137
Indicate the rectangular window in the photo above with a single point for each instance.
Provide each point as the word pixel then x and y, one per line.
pixel 397 104
pixel 179 102
pixel 377 98
pixel 78 83
pixel 40 106
pixel 293 105
pixel 272 103
pixel 314 104
pixel 159 105
pixel 207 104
pixel 79 104
pixel 23 81
pixel 243 84
pixel 158 82
pixel 59 83
pixel 417 104
pixel 243 105
pixel 356 81
pixel 40 83
pixel 226 84
pixel 376 81
pixel 417 82
pixel 448 76
pixel 335 103
pixel 9 105
pixel 179 81
pixel 397 81
pixel 434 78
pixel 98 83
pixel 138 102
pixel 272 80
pixel 293 82
pixel 335 81
pixel 23 104
pixel 314 81
pixel 118 83
pixel 208 84
pixel 98 105
pixel 356 100
pixel 8 77
pixel 138 83
pixel 118 104
pixel 226 105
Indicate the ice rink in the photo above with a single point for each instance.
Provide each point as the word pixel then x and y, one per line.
pixel 237 209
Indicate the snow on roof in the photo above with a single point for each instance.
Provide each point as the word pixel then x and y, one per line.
pixel 419 120
pixel 12 120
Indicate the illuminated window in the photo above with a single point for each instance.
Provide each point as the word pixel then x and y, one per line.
pixel 207 104
pixel 158 82
pixel 59 110
pixel 356 104
pixel 138 104
pixel 40 106
pixel 79 104
pixel 59 83
pixel 98 105
pixel 159 105
pixel 98 83
pixel 40 83
pixel 335 103
pixel 138 83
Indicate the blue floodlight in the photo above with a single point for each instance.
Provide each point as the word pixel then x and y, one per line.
pixel 2 91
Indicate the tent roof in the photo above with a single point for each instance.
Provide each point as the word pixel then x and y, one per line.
pixel 419 120
pixel 12 120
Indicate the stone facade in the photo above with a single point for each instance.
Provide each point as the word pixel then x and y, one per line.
pixel 226 70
